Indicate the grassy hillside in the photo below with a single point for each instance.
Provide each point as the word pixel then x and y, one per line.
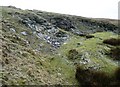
pixel 42 48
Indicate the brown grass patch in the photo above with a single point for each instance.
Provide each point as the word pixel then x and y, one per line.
pixel 112 41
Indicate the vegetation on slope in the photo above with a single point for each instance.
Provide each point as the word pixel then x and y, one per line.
pixel 41 48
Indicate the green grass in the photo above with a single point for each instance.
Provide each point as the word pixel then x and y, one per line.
pixel 62 66
pixel 28 66
pixel 94 48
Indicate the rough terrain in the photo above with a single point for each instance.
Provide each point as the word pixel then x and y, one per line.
pixel 41 48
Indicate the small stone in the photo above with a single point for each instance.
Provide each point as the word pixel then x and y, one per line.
pixel 12 30
pixel 59 74
pixel 24 33
pixel 64 43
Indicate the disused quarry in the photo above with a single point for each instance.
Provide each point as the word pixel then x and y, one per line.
pixel 42 48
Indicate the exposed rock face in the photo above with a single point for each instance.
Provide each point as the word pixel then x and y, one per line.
pixel 47 26
pixel 42 28
pixel 63 23
pixel 42 48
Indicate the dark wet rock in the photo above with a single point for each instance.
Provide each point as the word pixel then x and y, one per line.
pixel 63 23
pixel 60 34
pixel 89 36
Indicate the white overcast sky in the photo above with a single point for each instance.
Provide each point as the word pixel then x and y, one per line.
pixel 86 8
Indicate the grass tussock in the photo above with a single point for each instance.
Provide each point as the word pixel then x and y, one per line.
pixel 72 54
pixel 97 78
pixel 112 41
pixel 117 74
pixel 115 53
